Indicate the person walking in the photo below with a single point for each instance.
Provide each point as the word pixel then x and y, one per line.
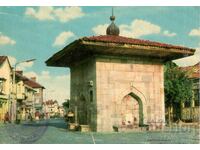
pixel 18 119
pixel 7 118
pixel 30 117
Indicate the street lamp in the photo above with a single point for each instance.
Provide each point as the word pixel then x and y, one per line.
pixel 15 87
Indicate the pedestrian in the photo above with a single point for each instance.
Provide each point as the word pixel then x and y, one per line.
pixel 30 117
pixel 18 117
pixel 37 114
pixel 6 118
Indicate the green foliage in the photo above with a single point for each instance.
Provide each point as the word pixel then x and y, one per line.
pixel 66 104
pixel 178 88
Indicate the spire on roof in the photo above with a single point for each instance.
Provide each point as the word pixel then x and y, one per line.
pixel 112 28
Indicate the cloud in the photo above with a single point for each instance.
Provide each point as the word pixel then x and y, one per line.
pixel 5 40
pixel 43 13
pixel 68 13
pixel 12 60
pixel 31 74
pixel 195 32
pixel 21 66
pixel 139 28
pixel 62 38
pixel 189 61
pixel 100 29
pixel 135 29
pixel 45 75
pixel 50 13
pixel 56 87
pixel 167 33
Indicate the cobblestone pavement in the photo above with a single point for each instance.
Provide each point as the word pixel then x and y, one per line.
pixel 54 131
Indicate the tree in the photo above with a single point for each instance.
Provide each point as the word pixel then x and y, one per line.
pixel 66 104
pixel 178 89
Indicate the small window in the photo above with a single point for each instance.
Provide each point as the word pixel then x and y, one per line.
pixel 187 104
pixel 196 97
pixel 197 102
pixel 91 96
pixel 2 85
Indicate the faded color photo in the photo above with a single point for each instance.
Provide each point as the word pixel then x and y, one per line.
pixel 99 75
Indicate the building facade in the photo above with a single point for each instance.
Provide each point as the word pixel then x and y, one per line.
pixel 38 95
pixel 117 82
pixel 25 96
pixel 191 110
pixel 51 108
pixel 5 86
pixel 61 111
pixel 18 94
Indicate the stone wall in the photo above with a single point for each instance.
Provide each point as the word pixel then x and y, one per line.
pixel 83 93
pixel 116 78
pixel 112 80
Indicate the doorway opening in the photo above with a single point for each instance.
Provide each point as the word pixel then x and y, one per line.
pixel 131 111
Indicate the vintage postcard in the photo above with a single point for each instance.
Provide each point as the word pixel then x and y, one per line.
pixel 99 75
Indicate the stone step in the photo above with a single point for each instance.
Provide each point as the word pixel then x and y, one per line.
pixel 126 129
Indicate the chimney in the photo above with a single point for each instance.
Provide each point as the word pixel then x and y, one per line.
pixel 33 78
pixel 20 72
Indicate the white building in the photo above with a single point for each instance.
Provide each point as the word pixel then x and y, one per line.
pixel 5 86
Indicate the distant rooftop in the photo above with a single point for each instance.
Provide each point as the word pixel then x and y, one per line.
pixel 193 70
pixel 27 81
pixel 2 59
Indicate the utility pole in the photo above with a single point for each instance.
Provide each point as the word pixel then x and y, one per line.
pixel 14 91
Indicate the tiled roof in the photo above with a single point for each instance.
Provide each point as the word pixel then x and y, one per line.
pixel 112 45
pixel 28 81
pixel 33 84
pixel 194 71
pixel 2 59
pixel 20 76
pixel 125 40
pixel 50 102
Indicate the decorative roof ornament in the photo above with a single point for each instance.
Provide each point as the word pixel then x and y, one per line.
pixel 112 28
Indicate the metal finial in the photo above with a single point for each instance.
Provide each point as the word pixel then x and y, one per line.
pixel 112 18
pixel 112 28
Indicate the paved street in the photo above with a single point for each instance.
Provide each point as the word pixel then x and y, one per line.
pixel 54 131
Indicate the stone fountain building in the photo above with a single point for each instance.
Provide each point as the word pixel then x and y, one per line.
pixel 117 82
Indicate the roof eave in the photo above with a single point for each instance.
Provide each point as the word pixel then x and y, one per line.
pixel 108 47
pixel 52 60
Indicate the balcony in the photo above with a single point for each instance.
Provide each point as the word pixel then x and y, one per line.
pixel 20 96
pixel 29 103
pixel 38 105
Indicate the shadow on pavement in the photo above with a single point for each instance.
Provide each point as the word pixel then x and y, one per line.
pixel 57 123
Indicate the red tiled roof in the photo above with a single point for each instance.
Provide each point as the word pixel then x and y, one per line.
pixel 125 40
pixel 193 70
pixel 116 46
pixel 19 72
pixel 20 76
pixel 2 59
pixel 33 84
pixel 28 81
pixel 50 102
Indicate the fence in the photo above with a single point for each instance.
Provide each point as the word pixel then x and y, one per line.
pixel 192 114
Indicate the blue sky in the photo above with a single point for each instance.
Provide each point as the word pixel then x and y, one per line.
pixel 39 32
